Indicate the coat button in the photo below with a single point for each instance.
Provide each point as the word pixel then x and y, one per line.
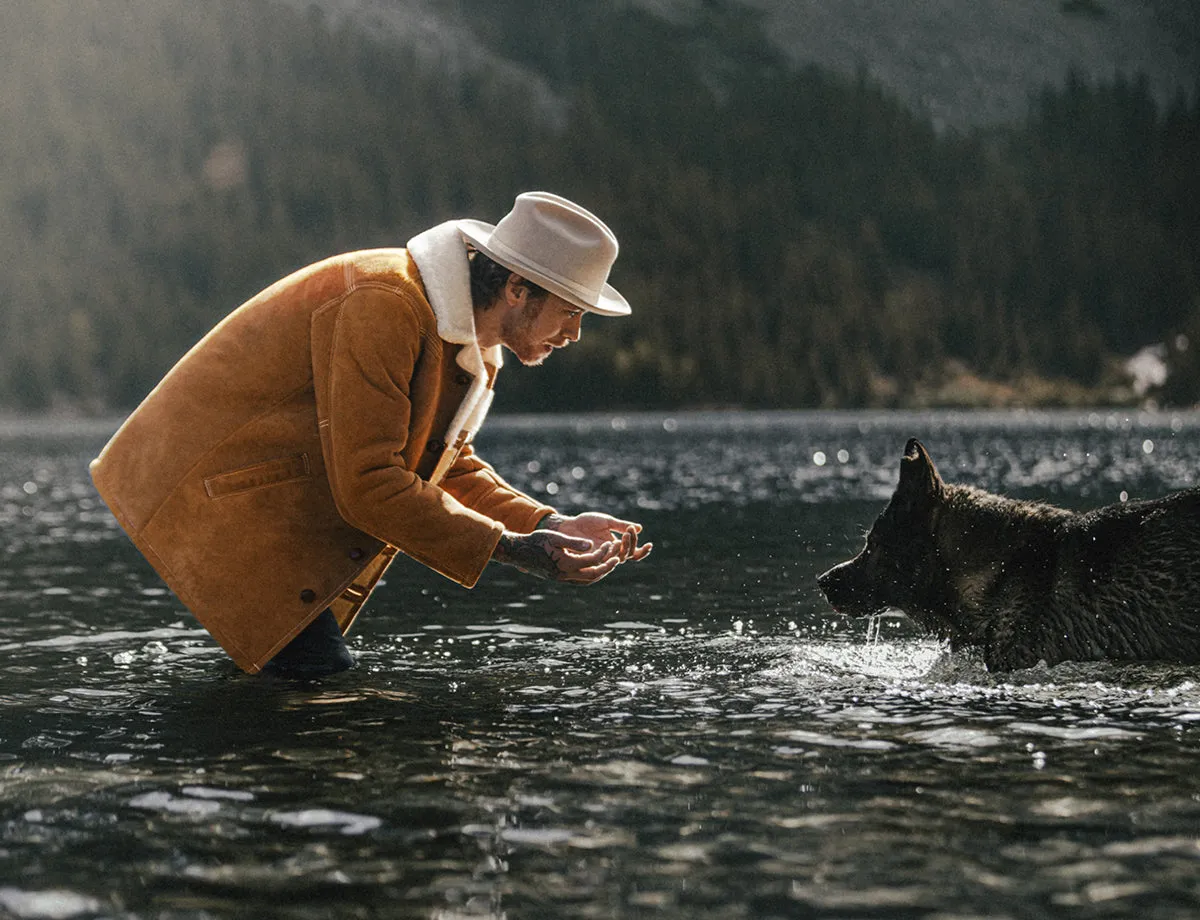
pixel 308 595
pixel 435 446
pixel 463 379
pixel 355 553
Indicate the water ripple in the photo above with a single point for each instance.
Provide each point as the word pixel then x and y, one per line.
pixel 698 735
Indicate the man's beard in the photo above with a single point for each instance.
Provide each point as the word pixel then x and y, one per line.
pixel 518 334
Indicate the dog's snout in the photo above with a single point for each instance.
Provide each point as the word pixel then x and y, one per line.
pixel 844 588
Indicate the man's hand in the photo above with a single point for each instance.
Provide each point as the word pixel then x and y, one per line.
pixel 599 528
pixel 547 554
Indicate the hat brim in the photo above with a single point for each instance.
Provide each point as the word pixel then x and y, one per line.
pixel 608 303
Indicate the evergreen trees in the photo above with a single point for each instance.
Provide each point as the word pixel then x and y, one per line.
pixel 790 238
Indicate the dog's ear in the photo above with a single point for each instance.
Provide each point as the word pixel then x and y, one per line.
pixel 918 475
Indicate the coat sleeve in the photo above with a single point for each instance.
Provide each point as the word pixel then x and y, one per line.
pixel 476 484
pixel 377 341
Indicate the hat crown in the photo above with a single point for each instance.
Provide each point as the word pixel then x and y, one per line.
pixel 557 245
pixel 567 242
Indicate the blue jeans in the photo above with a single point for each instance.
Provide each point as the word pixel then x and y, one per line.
pixel 318 650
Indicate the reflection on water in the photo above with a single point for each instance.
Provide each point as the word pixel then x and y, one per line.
pixel 696 736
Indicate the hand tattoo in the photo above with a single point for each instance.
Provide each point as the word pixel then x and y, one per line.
pixel 535 553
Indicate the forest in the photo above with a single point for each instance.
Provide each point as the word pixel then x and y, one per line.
pixel 790 237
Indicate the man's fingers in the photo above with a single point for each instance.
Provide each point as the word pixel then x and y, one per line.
pixel 630 551
pixel 595 565
pixel 618 524
pixel 627 544
pixel 572 544
pixel 587 555
pixel 593 573
pixel 577 559
pixel 614 524
pixel 641 552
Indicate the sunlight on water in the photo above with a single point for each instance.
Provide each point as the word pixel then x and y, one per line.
pixel 49 905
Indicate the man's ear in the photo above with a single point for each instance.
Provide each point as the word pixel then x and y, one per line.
pixel 918 475
pixel 515 290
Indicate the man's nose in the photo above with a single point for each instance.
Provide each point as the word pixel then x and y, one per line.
pixel 574 328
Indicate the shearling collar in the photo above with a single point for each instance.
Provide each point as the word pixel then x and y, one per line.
pixel 441 256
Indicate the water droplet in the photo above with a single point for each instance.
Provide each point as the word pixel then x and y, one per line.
pixel 819 458
pixel 1147 446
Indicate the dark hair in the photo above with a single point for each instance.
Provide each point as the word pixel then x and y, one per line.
pixel 488 278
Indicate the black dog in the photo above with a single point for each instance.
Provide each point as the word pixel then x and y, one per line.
pixel 1025 581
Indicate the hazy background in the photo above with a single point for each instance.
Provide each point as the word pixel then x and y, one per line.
pixel 819 204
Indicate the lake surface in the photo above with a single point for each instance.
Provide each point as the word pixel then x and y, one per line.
pixel 697 736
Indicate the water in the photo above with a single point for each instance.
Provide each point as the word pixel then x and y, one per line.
pixel 697 736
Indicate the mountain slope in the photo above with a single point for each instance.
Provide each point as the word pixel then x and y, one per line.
pixel 961 63
pixel 979 62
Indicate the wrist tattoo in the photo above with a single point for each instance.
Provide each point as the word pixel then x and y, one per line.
pixel 530 553
pixel 550 521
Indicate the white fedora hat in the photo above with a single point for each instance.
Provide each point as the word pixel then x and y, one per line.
pixel 557 245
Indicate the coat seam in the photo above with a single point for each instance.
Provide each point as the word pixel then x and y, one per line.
pixel 399 293
pixel 462 577
pixel 300 474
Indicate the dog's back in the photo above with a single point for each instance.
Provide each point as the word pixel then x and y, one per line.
pixel 1127 583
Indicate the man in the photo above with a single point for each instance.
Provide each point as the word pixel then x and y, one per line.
pixel 326 424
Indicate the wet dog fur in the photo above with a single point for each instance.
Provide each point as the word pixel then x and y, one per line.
pixel 1024 582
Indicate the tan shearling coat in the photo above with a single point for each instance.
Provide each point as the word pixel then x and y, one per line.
pixel 283 461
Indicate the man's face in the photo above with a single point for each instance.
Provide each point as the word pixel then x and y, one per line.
pixel 539 326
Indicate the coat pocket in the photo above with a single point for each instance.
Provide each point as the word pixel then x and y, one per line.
pixel 258 476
